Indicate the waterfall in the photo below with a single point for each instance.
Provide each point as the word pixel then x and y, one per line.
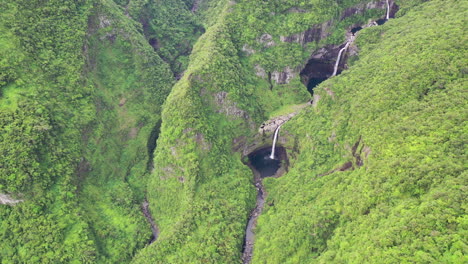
pixel 388 11
pixel 337 63
pixel 272 156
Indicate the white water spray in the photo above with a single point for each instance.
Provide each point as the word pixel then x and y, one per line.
pixel 388 11
pixel 272 156
pixel 337 63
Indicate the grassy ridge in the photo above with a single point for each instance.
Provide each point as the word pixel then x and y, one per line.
pixel 200 192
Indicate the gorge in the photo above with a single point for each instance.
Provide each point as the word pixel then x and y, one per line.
pixel 215 131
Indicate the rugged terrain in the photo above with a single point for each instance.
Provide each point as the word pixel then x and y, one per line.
pixel 129 131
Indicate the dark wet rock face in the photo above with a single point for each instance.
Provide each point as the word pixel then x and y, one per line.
pixel 313 34
pixel 314 82
pixel 393 9
pixel 381 21
pixel 320 67
pixel 356 29
pixel 261 162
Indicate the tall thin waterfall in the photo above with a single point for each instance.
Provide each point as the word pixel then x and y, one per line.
pixel 272 156
pixel 337 63
pixel 388 11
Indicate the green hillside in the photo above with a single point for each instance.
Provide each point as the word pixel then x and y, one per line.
pixel 108 106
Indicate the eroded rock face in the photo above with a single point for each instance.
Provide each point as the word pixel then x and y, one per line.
pixel 313 34
pixel 321 31
pixel 296 10
pixel 320 65
pixel 228 107
pixel 271 125
pixel 260 72
pixel 248 50
pixel 284 76
pixel 266 40
pixel 8 200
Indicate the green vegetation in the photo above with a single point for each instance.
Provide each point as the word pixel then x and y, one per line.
pixel 76 115
pixel 86 88
pixel 402 107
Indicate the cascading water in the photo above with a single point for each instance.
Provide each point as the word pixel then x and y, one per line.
pixel 388 11
pixel 337 63
pixel 272 156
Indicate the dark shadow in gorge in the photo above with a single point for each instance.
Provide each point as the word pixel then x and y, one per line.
pixel 151 145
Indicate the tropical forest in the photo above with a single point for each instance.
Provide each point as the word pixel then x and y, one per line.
pixel 233 131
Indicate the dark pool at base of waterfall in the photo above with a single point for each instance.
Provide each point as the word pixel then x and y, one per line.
pixel 260 160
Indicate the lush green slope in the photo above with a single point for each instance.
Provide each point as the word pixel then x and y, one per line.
pixel 81 94
pixel 401 108
pixel 40 130
pixel 83 88
pixel 303 217
pixel 200 191
pixel 131 83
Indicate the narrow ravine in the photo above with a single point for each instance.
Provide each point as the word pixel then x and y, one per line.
pixel 249 234
pixel 151 145
pixel 149 218
pixel 264 163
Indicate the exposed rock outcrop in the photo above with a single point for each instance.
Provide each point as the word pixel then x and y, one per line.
pixel 313 34
pixel 321 31
pixel 228 107
pixel 247 49
pixel 266 40
pixel 271 125
pixel 195 6
pixel 7 199
pixel 296 10
pixel 283 77
pixel 260 72
pixel 315 100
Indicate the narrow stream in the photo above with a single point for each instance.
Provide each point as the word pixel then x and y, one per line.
pixel 249 234
pixel 149 218
pixel 263 166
